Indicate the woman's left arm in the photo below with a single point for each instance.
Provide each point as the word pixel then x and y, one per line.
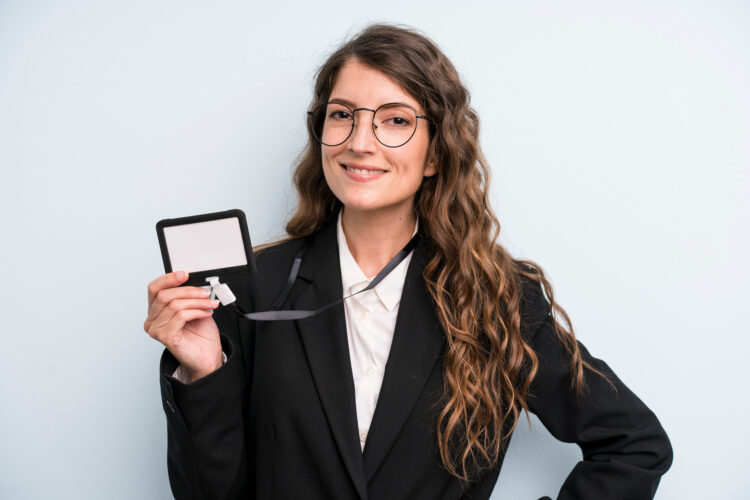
pixel 625 449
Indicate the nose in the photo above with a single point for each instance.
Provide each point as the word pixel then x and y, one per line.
pixel 363 137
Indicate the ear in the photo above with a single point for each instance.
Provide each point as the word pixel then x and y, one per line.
pixel 430 166
pixel 430 169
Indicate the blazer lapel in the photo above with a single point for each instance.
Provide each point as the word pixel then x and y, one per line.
pixel 327 349
pixel 417 342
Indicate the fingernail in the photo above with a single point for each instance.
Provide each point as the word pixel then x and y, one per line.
pixel 214 302
pixel 181 275
pixel 205 292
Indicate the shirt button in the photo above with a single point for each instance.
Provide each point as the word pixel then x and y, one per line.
pixel 363 315
pixel 369 371
pixel 363 436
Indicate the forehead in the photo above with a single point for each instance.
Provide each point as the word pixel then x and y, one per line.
pixel 364 86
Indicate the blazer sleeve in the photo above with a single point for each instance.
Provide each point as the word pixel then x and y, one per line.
pixel 206 451
pixel 625 449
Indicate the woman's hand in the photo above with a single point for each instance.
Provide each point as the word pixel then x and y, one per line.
pixel 181 319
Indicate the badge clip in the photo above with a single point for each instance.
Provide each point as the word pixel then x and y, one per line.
pixel 221 291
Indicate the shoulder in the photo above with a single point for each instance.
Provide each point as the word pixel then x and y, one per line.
pixel 273 263
pixel 277 257
pixel 534 306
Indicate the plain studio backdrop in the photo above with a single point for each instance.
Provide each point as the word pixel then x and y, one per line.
pixel 618 134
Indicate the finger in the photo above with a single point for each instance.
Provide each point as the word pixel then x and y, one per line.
pixel 160 317
pixel 168 280
pixel 172 331
pixel 176 305
pixel 168 295
pixel 167 323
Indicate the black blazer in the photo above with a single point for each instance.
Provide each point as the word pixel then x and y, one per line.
pixel 278 420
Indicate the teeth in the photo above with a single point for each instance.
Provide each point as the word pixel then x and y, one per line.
pixel 363 171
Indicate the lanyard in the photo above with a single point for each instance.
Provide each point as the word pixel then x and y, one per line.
pixel 275 315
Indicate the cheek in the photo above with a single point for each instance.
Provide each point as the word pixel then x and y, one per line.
pixel 414 162
pixel 328 162
pixel 328 155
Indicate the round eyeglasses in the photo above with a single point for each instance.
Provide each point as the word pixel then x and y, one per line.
pixel 393 124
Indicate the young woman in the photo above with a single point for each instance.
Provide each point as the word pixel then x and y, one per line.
pixel 410 390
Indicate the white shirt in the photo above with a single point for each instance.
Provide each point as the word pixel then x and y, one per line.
pixel 370 322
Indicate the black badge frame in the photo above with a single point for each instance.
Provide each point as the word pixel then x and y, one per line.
pixel 175 234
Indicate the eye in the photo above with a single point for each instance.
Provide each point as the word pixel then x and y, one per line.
pixel 395 116
pixel 396 121
pixel 339 114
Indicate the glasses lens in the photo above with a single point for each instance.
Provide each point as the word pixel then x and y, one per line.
pixel 332 123
pixel 395 124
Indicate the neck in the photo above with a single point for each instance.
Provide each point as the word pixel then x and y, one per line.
pixel 375 237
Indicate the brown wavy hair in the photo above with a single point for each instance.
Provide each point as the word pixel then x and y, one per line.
pixel 476 285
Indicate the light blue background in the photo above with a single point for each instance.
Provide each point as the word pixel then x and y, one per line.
pixel 618 134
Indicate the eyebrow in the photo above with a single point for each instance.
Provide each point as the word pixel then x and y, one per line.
pixel 349 103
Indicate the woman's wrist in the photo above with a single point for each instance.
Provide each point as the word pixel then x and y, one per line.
pixel 199 374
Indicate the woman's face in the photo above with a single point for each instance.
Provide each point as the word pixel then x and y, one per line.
pixel 386 179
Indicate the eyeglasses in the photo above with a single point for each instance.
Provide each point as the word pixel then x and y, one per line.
pixel 393 124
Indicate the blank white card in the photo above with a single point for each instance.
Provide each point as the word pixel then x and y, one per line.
pixel 205 246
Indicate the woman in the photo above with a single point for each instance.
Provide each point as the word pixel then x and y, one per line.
pixel 451 345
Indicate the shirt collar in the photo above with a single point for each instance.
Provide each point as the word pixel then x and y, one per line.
pixel 353 279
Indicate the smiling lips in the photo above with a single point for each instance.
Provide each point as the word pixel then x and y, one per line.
pixel 362 172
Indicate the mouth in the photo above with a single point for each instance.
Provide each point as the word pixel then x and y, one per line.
pixel 362 172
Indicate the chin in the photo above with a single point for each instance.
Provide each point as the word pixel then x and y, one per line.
pixel 363 206
pixel 374 206
pixel 372 200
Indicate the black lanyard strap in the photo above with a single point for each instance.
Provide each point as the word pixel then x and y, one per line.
pixel 292 275
pixel 275 315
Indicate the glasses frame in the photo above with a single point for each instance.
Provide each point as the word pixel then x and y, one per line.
pixel 311 116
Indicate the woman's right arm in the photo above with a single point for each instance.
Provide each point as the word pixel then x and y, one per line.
pixel 207 456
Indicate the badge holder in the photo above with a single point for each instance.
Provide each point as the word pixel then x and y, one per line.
pixel 214 248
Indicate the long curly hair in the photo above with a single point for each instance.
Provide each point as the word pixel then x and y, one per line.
pixel 474 282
